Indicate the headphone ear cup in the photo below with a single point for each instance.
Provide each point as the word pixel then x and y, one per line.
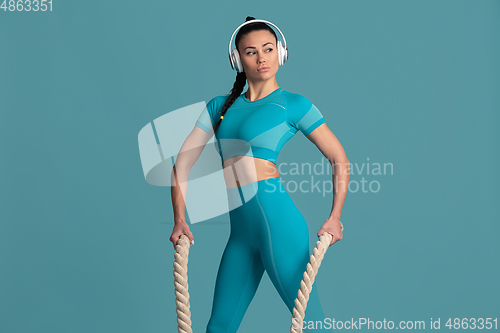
pixel 282 54
pixel 237 61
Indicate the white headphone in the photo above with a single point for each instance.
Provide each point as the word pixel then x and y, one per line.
pixel 234 56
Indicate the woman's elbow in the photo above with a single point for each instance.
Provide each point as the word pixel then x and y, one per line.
pixel 339 160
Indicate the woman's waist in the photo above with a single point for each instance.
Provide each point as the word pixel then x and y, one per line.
pixel 250 194
pixel 242 170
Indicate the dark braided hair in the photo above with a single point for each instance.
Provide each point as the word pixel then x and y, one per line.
pixel 241 78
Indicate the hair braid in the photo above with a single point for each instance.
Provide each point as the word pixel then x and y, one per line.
pixel 239 84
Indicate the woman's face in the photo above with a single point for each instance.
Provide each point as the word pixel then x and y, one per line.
pixel 257 50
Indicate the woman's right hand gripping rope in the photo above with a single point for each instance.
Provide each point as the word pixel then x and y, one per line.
pixel 181 228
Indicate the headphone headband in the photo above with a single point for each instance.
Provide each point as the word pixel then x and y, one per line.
pixel 253 21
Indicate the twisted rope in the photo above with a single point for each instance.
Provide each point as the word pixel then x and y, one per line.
pixel 181 283
pixel 308 278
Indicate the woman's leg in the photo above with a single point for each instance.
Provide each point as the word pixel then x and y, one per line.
pixel 285 252
pixel 240 272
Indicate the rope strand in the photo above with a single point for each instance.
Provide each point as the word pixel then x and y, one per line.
pixel 308 278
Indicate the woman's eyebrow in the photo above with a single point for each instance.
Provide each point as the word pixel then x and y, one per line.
pixel 253 47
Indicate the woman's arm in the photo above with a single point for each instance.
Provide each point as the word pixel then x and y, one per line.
pixel 189 153
pixel 331 148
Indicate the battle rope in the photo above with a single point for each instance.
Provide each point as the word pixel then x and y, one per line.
pixel 181 284
pixel 308 279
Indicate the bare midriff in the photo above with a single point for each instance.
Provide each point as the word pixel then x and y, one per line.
pixel 241 169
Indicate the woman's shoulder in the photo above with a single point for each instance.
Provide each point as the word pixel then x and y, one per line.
pixel 216 103
pixel 295 99
pixel 218 99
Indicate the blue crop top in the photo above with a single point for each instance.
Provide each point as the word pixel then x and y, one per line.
pixel 259 128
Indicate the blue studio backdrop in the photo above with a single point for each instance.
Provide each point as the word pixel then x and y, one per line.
pixel 410 88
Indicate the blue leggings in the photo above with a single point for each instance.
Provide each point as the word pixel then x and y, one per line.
pixel 268 233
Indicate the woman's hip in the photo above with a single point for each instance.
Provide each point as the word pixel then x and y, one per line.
pixel 264 205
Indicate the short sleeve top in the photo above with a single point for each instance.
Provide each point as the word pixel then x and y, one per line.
pixel 259 128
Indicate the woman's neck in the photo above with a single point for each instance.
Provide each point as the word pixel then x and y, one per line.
pixel 255 92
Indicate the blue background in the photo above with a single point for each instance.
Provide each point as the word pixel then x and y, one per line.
pixel 84 239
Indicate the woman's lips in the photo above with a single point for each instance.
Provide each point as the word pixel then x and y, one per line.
pixel 264 69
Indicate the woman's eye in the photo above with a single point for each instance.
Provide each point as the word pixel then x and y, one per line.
pixel 254 52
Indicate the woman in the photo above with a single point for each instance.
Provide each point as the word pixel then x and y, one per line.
pixel 268 232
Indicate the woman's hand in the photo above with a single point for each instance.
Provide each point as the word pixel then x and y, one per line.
pixel 181 228
pixel 332 226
